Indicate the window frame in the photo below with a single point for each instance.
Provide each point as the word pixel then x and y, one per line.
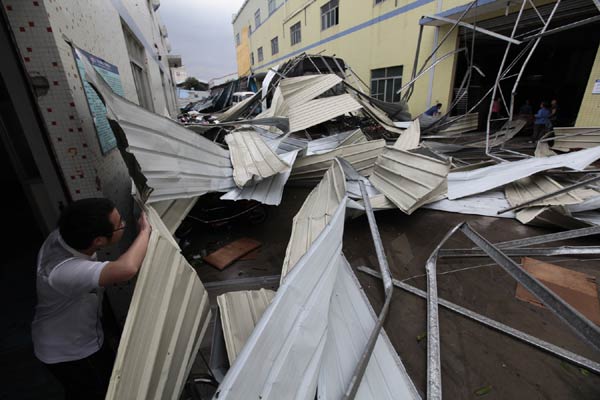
pixel 296 34
pixel 330 14
pixel 257 20
pixel 260 54
pixel 380 85
pixel 237 39
pixel 275 45
pixel 272 6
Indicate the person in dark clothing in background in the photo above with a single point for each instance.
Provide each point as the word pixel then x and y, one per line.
pixel 541 122
pixel 434 110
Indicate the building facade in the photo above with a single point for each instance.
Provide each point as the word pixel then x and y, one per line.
pixel 378 40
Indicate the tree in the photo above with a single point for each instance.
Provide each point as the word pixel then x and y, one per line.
pixel 192 83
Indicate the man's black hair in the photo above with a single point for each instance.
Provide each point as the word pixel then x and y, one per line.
pixel 438 105
pixel 84 220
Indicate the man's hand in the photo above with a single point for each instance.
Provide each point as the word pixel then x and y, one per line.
pixel 143 224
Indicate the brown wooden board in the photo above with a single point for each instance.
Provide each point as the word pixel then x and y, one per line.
pixel 227 254
pixel 576 288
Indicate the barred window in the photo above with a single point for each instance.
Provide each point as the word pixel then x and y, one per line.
pixel 295 33
pixel 385 82
pixel 275 45
pixel 330 14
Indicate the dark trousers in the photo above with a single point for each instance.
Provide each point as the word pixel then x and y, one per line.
pixel 538 131
pixel 86 378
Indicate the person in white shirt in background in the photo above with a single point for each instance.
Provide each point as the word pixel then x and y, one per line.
pixel 67 331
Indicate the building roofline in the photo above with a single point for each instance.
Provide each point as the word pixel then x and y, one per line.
pixel 235 17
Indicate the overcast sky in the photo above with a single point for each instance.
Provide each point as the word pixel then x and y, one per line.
pixel 201 32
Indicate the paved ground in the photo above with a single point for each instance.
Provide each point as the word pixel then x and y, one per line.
pixel 473 357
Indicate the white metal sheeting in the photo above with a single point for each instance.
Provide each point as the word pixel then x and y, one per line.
pixel 409 139
pixel 529 188
pixel 269 190
pixel 461 184
pixel 362 156
pixel 172 212
pixel 331 142
pixel 314 112
pixel 465 124
pixel 167 318
pixel 301 89
pixel 566 139
pixel 282 355
pixel 177 162
pixel 486 204
pixel 351 321
pixel 314 215
pixel 240 311
pixel 283 143
pixel 252 158
pixel 409 179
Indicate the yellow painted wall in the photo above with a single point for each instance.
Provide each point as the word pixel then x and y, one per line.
pixel 243 53
pixel 589 112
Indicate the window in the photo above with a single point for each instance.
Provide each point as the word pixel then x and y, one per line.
pixel 260 54
pixel 295 33
pixel 252 58
pixel 385 82
pixel 379 1
pixel 330 14
pixel 237 39
pixel 272 6
pixel 137 59
pixel 257 18
pixel 275 45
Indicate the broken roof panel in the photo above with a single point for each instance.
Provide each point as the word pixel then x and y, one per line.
pixel 283 143
pixel 299 90
pixel 282 356
pixel 566 139
pixel 269 190
pixel 486 204
pixel 461 184
pixel 240 311
pixel 252 159
pixel 409 139
pixel 362 156
pixel 172 212
pixel 507 132
pixel 314 112
pixel 466 123
pixel 409 179
pixel 314 215
pixel 331 142
pixel 165 160
pixel 530 188
pixel 351 321
pixel 162 334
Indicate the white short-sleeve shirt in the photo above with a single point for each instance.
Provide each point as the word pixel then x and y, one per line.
pixel 66 325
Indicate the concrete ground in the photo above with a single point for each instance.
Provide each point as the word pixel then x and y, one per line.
pixel 476 361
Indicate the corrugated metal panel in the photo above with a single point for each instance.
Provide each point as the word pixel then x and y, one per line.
pixel 172 212
pixel 165 160
pixel 252 159
pixel 351 321
pixel 487 204
pixel 317 111
pixel 282 356
pixel 167 318
pixel 409 139
pixel 566 139
pixel 240 311
pixel 378 115
pixel 362 156
pixel 314 215
pixel 466 124
pixel 507 132
pixel 297 91
pixel 529 188
pixel 283 144
pixel 409 179
pixel 269 190
pixel 331 142
pixel 461 184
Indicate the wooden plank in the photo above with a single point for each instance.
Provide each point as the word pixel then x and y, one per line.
pixel 576 288
pixel 227 254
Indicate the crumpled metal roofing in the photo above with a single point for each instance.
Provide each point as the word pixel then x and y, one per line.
pixel 486 204
pixel 162 333
pixel 172 212
pixel 299 90
pixel 529 188
pixel 378 115
pixel 165 160
pixel 283 143
pixel 351 321
pixel 314 215
pixel 461 184
pixel 409 179
pixel 240 311
pixel 409 139
pixel 282 355
pixel 314 112
pixel 269 190
pixel 331 142
pixel 252 158
pixel 466 124
pixel 566 139
pixel 362 156
pixel 507 132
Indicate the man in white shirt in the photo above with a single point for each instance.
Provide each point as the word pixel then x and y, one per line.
pixel 66 330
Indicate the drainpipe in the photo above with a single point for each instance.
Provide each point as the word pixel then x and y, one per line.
pixel 435 43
